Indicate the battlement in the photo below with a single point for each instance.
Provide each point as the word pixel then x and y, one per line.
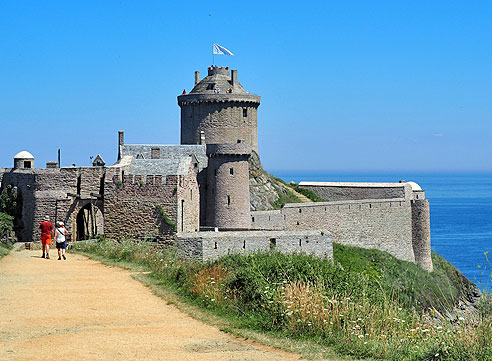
pixel 223 70
pixel 144 180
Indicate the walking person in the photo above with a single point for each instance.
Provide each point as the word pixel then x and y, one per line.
pixel 60 233
pixel 46 231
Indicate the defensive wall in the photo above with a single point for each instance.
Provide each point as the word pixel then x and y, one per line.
pixel 204 246
pixel 399 226
pixel 96 200
pixel 56 193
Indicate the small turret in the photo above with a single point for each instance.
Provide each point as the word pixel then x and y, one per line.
pixel 228 200
pixel 23 160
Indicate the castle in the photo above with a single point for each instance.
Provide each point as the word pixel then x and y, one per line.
pixel 200 191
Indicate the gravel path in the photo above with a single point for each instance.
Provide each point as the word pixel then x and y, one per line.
pixel 79 309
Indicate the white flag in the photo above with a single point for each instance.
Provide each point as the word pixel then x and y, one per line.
pixel 220 50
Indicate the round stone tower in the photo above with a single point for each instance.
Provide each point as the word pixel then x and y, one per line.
pixel 218 110
pixel 228 201
pixel 23 160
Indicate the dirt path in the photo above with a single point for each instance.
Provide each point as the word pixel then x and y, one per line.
pixel 79 309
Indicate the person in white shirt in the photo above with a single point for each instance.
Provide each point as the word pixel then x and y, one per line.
pixel 60 233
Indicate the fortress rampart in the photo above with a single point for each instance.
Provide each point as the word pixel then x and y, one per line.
pixel 399 226
pixel 205 246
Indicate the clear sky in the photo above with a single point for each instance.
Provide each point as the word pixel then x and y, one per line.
pixel 345 85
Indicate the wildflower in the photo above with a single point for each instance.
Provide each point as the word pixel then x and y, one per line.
pixel 360 336
pixel 461 318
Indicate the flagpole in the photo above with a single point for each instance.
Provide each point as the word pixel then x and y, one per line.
pixel 213 58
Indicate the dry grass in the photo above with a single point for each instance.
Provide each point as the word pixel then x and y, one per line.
pixel 209 283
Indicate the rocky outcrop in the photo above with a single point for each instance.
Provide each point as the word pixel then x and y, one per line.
pixel 266 192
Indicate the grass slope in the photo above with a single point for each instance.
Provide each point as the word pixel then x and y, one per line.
pixel 365 304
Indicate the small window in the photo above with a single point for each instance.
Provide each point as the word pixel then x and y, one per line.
pixel 215 171
pixel 215 245
pixel 300 210
pixel 231 170
pixel 155 153
pixel 252 219
pixel 191 194
pixel 27 164
pixel 79 184
pixel 228 200
pixel 273 243
pixel 211 86
pixel 245 112
pixel 244 244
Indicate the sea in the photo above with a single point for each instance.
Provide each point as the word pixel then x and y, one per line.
pixel 460 209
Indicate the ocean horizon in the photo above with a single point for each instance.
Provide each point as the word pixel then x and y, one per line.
pixel 460 212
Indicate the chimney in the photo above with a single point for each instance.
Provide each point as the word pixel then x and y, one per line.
pixel 202 137
pixel 121 141
pixel 197 77
pixel 234 77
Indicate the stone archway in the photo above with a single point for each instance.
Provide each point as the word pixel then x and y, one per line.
pixel 87 222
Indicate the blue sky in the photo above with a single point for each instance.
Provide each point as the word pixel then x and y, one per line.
pixel 345 86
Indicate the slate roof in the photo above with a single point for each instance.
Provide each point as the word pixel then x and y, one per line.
pixel 173 158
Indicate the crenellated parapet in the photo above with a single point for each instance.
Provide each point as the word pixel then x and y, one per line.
pixel 219 110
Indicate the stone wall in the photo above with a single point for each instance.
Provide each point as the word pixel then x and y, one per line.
pixel 265 220
pixel 57 193
pixel 205 246
pixel 342 191
pixel 188 194
pixel 421 233
pixel 130 206
pixel 382 224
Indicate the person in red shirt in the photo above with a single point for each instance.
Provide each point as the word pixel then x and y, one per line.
pixel 46 231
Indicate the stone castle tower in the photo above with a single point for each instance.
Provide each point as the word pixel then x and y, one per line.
pixel 219 111
pixel 228 198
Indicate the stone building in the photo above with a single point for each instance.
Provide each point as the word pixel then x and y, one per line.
pixel 200 192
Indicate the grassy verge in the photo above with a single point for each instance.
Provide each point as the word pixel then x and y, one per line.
pixel 366 304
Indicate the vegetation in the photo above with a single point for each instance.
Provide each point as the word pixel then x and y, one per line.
pixel 306 192
pixel 284 195
pixel 365 304
pixel 4 249
pixel 6 225
pixel 283 198
pixel 166 218
pixel 10 207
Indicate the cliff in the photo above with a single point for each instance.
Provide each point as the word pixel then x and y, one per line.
pixel 266 191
